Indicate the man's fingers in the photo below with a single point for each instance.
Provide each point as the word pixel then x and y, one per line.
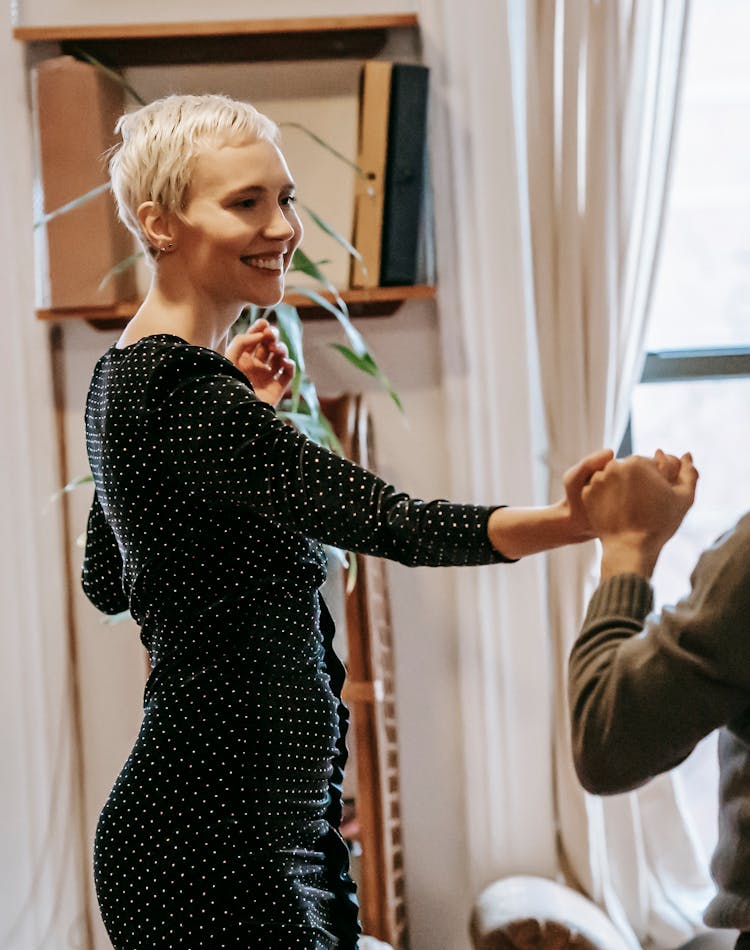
pixel 668 465
pixel 689 475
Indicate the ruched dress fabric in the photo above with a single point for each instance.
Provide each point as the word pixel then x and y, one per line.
pixel 222 828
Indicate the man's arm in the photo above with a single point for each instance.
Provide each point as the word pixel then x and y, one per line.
pixel 644 691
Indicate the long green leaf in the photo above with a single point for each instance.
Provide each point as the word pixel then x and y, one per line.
pixel 339 238
pixel 367 364
pixel 124 265
pixel 290 328
pixel 323 144
pixel 113 619
pixel 321 263
pixel 309 267
pixel 112 73
pixel 317 428
pixel 70 205
pixel 309 393
pixel 338 554
pixel 72 485
pixel 351 576
pixel 353 335
pixel 290 331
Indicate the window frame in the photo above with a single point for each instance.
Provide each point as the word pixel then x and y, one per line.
pixel 673 366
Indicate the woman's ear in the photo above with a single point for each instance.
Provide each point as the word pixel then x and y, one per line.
pixel 157 227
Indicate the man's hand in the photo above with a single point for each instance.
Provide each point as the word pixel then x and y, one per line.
pixel 635 505
pixel 264 359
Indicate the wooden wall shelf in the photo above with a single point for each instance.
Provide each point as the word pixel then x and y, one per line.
pixel 368 302
pixel 136 44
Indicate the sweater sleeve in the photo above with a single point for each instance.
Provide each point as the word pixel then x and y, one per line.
pixel 230 449
pixel 645 690
pixel 101 575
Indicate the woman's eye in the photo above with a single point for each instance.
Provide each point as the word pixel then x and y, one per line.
pixel 288 200
pixel 246 203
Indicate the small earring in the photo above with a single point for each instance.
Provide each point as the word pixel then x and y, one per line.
pixel 168 247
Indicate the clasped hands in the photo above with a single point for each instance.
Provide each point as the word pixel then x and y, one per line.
pixel 264 359
pixel 634 506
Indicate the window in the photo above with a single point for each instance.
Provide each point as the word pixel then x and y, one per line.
pixel 695 391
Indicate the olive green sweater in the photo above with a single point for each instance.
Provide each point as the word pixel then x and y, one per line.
pixel 645 689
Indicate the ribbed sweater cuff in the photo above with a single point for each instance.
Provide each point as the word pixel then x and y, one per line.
pixel 628 595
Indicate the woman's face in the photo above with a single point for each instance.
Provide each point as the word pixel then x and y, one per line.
pixel 239 228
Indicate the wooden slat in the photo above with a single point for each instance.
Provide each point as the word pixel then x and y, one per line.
pixel 30 34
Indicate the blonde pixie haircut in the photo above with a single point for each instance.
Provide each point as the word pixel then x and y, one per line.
pixel 160 143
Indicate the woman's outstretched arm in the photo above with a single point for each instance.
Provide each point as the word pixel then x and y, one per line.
pixel 521 531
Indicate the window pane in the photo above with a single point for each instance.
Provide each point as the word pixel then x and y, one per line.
pixel 710 419
pixel 702 289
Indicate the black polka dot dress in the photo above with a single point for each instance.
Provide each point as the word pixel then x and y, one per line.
pixel 222 828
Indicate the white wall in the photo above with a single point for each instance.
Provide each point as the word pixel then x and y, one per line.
pixel 41 858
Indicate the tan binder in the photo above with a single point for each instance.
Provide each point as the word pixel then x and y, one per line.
pixel 76 107
pixel 371 156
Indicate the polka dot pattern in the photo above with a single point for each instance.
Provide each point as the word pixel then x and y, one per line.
pixel 222 828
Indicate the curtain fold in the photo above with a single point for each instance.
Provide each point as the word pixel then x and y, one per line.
pixel 602 95
pixel 42 885
pixel 494 426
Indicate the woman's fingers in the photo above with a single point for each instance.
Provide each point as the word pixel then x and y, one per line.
pixel 581 473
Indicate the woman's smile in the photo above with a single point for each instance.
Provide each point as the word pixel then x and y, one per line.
pixel 273 264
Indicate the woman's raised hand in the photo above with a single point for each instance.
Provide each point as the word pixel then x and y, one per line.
pixel 264 359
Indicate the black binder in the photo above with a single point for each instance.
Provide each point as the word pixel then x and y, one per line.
pixel 405 176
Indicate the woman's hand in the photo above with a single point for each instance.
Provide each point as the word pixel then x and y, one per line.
pixel 264 359
pixel 517 532
pixel 575 481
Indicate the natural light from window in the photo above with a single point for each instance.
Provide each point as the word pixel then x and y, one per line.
pixel 702 299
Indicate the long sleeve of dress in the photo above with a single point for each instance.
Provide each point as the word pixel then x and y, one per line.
pixel 230 449
pixel 101 575
pixel 644 691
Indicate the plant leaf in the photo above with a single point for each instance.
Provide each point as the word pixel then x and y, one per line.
pixel 290 328
pixel 125 264
pixel 72 485
pixel 367 364
pixel 70 205
pixel 113 619
pixel 353 335
pixel 112 73
pixel 309 393
pixel 323 144
pixel 337 554
pixel 339 238
pixel 320 263
pixel 317 428
pixel 351 574
pixel 309 267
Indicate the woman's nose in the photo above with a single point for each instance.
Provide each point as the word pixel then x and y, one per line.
pixel 279 226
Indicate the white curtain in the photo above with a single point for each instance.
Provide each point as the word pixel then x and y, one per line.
pixel 41 863
pixel 603 83
pixel 495 429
